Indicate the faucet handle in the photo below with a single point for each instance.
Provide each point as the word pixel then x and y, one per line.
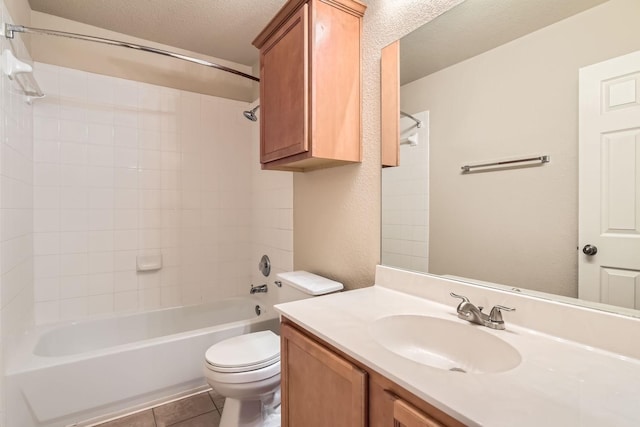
pixel 496 313
pixel 462 297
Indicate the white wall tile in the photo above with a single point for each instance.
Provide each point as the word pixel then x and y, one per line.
pixel 73 242
pixel 101 241
pixel 47 312
pixel 126 137
pixel 126 301
pixel 73 198
pixel 47 289
pixel 101 283
pixel 100 89
pixel 46 220
pixel 74 264
pixel 46 174
pixel 101 198
pixel 46 243
pixel 101 262
pixel 100 304
pixel 125 240
pixel 125 219
pixel 126 199
pixel 73 131
pixel 125 281
pixel 74 220
pixel 100 155
pixel 101 134
pixel 150 139
pixel 149 299
pixel 125 260
pixel 74 308
pixel 125 169
pixel 126 178
pixel 46 128
pixel 46 266
pixel 101 177
pixel 72 175
pixel 126 157
pixel 73 286
pixel 45 150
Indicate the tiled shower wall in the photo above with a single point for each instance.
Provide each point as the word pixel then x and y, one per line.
pixel 405 201
pixel 271 219
pixel 16 210
pixel 125 169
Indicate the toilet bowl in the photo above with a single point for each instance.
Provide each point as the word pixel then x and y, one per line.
pixel 246 369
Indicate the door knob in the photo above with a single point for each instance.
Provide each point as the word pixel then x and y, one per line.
pixel 590 250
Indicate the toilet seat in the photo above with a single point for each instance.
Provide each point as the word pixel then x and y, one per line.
pixel 243 377
pixel 244 358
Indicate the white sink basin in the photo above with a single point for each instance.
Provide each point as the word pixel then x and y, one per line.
pixel 445 344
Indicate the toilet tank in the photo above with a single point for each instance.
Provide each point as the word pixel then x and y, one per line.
pixel 297 285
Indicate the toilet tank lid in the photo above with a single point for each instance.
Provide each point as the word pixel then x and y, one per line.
pixel 309 283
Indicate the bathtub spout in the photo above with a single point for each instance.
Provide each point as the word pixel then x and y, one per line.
pixel 258 289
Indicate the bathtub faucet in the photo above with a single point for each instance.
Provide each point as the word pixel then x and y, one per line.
pixel 258 289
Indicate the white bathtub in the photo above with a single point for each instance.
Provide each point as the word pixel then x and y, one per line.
pixel 78 371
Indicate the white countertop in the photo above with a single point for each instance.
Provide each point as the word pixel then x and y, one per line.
pixel 558 382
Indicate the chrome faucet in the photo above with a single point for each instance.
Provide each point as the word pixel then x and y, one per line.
pixel 469 312
pixel 258 289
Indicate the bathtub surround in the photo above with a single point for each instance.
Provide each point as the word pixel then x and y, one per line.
pixel 16 210
pixel 125 169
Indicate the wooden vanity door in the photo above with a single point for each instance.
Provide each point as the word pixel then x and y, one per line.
pixel 319 388
pixel 405 415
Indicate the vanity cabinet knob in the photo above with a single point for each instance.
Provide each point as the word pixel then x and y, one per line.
pixel 589 250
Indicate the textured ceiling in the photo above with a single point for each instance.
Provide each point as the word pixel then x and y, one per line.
pixel 220 28
pixel 477 26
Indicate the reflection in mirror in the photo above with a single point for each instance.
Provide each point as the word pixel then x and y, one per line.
pixel 497 81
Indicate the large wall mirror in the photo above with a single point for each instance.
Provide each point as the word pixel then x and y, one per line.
pixel 493 81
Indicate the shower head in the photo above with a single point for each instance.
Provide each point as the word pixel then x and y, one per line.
pixel 251 114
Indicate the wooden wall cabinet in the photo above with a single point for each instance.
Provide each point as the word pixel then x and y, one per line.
pixel 322 387
pixel 310 85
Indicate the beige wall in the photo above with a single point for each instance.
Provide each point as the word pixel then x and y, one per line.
pixel 19 10
pixel 516 227
pixel 337 210
pixel 132 64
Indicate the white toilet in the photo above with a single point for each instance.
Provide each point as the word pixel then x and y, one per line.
pixel 246 369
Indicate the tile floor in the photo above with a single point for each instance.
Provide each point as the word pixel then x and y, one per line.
pixel 200 410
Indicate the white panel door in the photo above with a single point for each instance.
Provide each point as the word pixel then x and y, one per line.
pixel 609 193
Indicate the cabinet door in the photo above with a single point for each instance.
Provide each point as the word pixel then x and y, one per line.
pixel 390 104
pixel 405 415
pixel 319 388
pixel 284 90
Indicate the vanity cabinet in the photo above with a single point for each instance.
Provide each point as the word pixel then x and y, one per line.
pixel 322 387
pixel 319 388
pixel 310 88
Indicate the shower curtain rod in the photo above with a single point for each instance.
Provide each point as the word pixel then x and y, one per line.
pixel 10 29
